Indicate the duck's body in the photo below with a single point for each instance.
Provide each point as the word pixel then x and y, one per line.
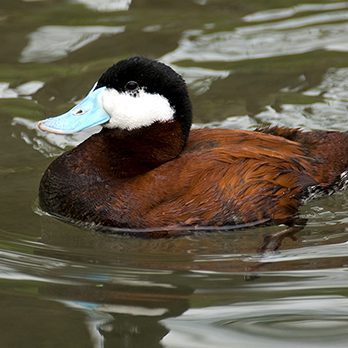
pixel 222 177
pixel 156 175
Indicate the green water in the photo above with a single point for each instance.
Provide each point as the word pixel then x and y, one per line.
pixel 247 63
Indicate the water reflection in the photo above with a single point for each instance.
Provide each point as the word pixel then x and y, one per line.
pixel 330 112
pixel 281 38
pixel 106 5
pixel 246 64
pixel 25 90
pixel 188 291
pixel 274 14
pixel 319 319
pixel 123 305
pixel 200 79
pixel 53 42
pixel 48 144
pixel 122 316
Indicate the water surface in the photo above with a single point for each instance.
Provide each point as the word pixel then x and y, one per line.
pixel 247 63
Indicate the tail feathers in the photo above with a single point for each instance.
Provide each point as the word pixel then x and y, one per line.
pixel 317 191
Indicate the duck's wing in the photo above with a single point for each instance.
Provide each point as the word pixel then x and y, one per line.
pixel 231 178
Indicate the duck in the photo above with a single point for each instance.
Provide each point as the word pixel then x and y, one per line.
pixel 147 169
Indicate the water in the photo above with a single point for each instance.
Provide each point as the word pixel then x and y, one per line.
pixel 247 63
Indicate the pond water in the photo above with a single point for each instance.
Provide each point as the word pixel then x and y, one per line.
pixel 247 63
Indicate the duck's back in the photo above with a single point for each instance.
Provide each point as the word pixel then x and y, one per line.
pixel 329 149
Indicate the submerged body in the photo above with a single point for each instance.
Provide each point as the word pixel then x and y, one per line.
pixel 159 175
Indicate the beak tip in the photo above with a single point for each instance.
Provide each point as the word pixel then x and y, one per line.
pixel 42 127
pixel 39 126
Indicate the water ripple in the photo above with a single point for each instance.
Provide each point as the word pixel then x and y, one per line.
pixel 274 14
pixel 283 38
pixel 316 319
pixel 53 42
pixel 106 5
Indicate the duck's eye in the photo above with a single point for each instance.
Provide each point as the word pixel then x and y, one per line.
pixel 131 86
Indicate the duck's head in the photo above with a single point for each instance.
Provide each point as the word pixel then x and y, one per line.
pixel 133 94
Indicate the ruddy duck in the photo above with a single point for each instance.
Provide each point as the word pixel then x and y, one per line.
pixel 146 169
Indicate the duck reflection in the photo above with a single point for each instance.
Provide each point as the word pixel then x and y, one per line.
pixel 118 284
pixel 127 287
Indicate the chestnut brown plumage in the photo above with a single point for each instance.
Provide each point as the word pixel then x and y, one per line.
pixel 221 177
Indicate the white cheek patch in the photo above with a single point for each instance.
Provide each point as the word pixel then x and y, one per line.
pixel 131 112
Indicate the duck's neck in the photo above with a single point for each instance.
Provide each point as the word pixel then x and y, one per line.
pixel 131 153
